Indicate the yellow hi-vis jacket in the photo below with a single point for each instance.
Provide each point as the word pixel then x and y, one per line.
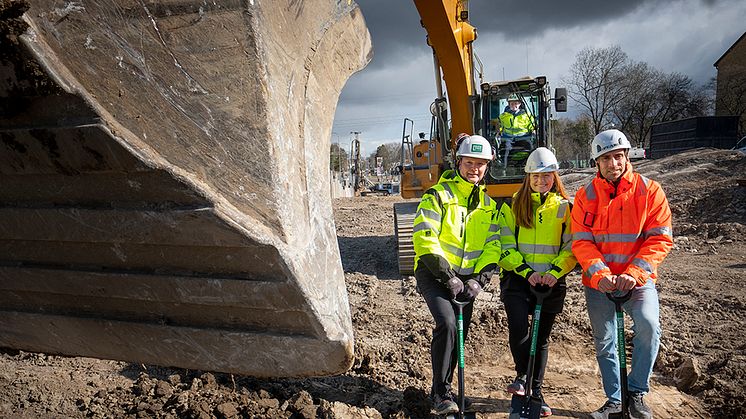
pixel 516 124
pixel 545 248
pixel 456 222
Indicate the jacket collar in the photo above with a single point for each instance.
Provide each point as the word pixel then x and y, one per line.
pixel 462 185
pixel 625 182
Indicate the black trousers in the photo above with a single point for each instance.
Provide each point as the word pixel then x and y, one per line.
pixel 443 349
pixel 519 303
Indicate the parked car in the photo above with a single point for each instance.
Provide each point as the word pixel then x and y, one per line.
pixel 636 153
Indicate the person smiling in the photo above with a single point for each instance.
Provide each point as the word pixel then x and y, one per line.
pixel 456 245
pixel 536 250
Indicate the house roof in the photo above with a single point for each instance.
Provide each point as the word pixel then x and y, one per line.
pixel 730 49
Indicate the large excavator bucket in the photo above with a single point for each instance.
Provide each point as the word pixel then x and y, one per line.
pixel 164 190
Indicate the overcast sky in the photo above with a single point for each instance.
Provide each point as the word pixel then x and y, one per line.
pixel 538 37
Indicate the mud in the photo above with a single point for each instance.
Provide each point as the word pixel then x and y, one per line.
pixel 700 372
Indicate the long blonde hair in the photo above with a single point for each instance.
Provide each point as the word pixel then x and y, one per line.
pixel 524 214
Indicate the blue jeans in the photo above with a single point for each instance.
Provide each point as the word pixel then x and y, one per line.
pixel 642 307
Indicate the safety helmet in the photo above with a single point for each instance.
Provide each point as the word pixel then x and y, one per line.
pixel 475 146
pixel 513 97
pixel 541 160
pixel 609 140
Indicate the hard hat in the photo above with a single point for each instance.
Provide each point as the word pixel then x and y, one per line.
pixel 475 146
pixel 541 160
pixel 513 97
pixel 609 140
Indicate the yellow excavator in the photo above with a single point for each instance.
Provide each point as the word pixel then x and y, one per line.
pixel 473 110
pixel 164 191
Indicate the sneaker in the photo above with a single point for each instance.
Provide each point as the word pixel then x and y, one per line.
pixel 443 405
pixel 609 408
pixel 637 407
pixel 518 386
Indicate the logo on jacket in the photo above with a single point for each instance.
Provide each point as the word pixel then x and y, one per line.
pixel 541 215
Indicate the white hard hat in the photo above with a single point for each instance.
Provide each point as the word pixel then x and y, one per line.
pixel 475 146
pixel 513 97
pixel 541 160
pixel 609 140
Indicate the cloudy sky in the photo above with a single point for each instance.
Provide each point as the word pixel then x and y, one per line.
pixel 530 37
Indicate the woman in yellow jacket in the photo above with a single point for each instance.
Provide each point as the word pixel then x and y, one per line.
pixel 536 246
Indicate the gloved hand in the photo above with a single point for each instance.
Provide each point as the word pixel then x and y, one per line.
pixel 473 288
pixel 456 286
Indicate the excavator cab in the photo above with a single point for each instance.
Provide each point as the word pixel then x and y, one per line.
pixel 512 149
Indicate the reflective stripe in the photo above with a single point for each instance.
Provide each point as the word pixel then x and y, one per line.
pixel 493 228
pixel 538 249
pixel 448 191
pixel 540 266
pixel 643 190
pixel 428 213
pixel 459 252
pixel 487 200
pixel 425 225
pixel 506 231
pixel 645 266
pixel 562 210
pixel 492 238
pixel 590 192
pixel 596 267
pixel 658 231
pixel 566 237
pixel 615 238
pixel 567 246
pixel 616 257
pixel 508 246
pixel 583 235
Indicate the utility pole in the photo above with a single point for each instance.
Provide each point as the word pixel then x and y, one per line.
pixel 355 155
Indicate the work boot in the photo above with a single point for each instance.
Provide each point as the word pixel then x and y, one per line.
pixel 518 386
pixel 516 404
pixel 454 397
pixel 609 408
pixel 444 404
pixel 545 409
pixel 637 407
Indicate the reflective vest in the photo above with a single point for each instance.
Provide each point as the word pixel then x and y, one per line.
pixel 516 125
pixel 445 226
pixel 623 229
pixel 544 248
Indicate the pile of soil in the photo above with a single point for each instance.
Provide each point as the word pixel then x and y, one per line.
pixel 700 372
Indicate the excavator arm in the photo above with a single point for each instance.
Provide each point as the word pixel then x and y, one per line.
pixel 450 35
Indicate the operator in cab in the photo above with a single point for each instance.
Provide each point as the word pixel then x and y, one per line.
pixel 457 246
pixel 516 125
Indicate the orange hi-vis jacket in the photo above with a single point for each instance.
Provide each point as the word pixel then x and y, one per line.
pixel 621 230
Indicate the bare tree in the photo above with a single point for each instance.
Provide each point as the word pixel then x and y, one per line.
pixel 596 83
pixel 572 138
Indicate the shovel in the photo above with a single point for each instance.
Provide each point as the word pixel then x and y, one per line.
pixel 460 323
pixel 532 407
pixel 621 352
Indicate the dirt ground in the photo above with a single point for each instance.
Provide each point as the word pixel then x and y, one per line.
pixel 700 372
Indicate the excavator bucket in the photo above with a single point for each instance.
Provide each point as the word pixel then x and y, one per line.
pixel 164 190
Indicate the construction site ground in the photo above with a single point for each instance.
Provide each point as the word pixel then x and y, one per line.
pixel 700 371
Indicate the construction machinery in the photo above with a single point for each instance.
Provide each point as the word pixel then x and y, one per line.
pixel 474 109
pixel 164 181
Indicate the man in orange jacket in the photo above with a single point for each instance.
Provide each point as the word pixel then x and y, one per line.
pixel 621 225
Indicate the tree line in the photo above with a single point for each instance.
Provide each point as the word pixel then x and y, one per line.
pixel 611 90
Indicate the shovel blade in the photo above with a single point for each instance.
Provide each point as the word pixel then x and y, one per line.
pixel 466 415
pixel 532 410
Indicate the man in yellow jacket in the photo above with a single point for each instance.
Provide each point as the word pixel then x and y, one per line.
pixel 456 246
pixel 621 225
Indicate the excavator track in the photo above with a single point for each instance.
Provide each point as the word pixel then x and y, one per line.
pixel 404 214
